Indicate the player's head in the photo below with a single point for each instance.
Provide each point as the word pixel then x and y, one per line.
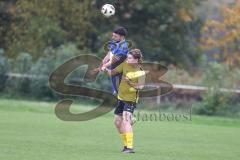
pixel 135 56
pixel 119 34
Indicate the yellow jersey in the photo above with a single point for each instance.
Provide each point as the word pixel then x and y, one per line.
pixel 135 75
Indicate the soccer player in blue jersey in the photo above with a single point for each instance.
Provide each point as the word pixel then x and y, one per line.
pixel 118 50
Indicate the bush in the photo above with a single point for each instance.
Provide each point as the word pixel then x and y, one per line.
pixel 52 59
pixel 20 84
pixel 215 101
pixel 4 69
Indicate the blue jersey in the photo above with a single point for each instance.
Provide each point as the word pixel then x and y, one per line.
pixel 119 48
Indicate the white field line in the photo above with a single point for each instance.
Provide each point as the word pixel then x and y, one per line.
pixel 175 86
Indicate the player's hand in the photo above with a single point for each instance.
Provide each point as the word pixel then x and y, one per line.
pixel 97 69
pixel 103 68
pixel 126 79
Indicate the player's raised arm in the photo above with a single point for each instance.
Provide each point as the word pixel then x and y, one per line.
pixel 112 72
pixel 141 76
pixel 141 80
pixel 117 70
pixel 106 58
pixel 110 62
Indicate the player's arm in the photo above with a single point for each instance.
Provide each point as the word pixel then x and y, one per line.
pixel 137 86
pixel 140 84
pixel 106 58
pixel 117 70
pixel 141 79
pixel 104 61
pixel 111 72
pixel 111 61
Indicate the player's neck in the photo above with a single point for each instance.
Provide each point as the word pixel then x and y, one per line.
pixel 119 41
pixel 122 40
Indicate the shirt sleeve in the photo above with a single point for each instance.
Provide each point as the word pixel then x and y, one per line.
pixel 141 78
pixel 120 68
pixel 122 49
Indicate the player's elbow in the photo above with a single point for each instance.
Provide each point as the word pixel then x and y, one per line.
pixel 110 73
pixel 141 86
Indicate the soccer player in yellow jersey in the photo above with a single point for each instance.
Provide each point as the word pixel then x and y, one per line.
pixel 133 79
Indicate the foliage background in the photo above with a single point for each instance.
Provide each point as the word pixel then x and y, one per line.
pixel 197 40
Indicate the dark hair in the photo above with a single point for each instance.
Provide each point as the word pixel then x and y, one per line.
pixel 137 54
pixel 120 31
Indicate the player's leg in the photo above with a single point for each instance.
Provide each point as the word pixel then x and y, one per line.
pixel 128 130
pixel 127 125
pixel 127 122
pixel 118 121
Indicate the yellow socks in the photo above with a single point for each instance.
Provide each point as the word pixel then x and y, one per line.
pixel 124 139
pixel 129 140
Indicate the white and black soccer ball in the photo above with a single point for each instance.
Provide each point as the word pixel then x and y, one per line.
pixel 108 10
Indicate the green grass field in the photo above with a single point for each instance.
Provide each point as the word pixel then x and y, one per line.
pixel 31 131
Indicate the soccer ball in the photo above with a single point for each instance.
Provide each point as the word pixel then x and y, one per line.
pixel 108 10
